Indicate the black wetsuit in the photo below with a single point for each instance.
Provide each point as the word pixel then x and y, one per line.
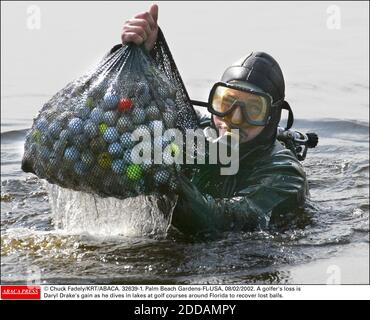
pixel 269 184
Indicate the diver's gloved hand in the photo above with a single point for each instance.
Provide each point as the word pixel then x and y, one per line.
pixel 197 212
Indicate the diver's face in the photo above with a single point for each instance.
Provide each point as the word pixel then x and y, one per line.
pixel 235 120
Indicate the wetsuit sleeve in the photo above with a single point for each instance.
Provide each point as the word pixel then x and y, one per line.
pixel 276 186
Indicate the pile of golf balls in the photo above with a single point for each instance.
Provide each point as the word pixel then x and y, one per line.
pixel 82 137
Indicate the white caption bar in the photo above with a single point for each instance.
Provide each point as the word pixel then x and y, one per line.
pixel 205 292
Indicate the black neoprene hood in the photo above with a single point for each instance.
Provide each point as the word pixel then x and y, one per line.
pixel 261 70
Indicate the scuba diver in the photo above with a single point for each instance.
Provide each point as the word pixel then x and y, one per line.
pixel 270 182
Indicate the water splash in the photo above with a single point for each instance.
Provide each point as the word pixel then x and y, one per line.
pixel 78 212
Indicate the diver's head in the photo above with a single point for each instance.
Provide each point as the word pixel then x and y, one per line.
pixel 249 98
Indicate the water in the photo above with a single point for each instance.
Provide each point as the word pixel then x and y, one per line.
pixel 327 85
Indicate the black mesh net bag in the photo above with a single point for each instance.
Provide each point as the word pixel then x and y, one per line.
pixel 99 133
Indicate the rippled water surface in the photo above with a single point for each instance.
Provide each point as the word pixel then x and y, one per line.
pixel 337 217
pixel 332 230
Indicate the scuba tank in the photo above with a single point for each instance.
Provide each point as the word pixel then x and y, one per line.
pixel 297 142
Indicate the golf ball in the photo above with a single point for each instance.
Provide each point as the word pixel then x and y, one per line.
pixel 59 147
pixel 80 168
pixel 124 104
pixel 153 112
pixel 90 102
pixel 98 145
pixel 110 101
pixel 111 135
pixel 83 112
pixel 75 125
pixel 91 129
pixel 126 140
pixel 102 128
pixel 65 135
pixel 115 149
pixel 54 130
pixel 138 115
pixel 42 124
pixel 80 141
pixel 97 115
pixel 161 177
pixel 87 157
pixel 104 160
pixel 127 156
pixel 110 118
pixel 118 166
pixel 156 126
pixel 134 172
pixel 124 124
pixel 71 154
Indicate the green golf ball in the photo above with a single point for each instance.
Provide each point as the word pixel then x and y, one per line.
pixel 134 172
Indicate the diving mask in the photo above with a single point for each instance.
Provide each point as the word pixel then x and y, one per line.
pixel 254 104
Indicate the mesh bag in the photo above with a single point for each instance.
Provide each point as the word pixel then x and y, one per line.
pixel 82 138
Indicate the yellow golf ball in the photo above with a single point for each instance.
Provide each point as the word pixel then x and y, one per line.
pixel 105 160
pixel 36 135
pixel 90 102
pixel 103 127
pixel 175 150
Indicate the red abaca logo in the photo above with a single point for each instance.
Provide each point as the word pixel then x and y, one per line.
pixel 21 292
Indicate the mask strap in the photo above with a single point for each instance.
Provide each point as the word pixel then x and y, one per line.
pixel 199 103
pixel 286 106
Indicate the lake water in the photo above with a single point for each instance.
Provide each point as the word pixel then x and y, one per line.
pixel 327 85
